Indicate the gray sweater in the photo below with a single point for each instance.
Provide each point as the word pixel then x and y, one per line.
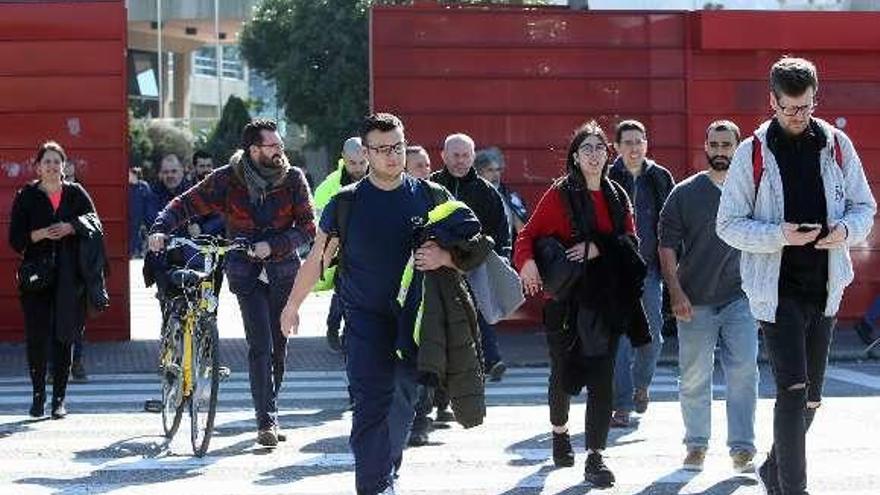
pixel 708 269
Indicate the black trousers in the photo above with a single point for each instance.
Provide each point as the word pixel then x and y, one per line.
pixel 600 379
pixel 43 344
pixel 797 345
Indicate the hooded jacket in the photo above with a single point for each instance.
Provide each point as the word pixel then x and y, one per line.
pixel 438 320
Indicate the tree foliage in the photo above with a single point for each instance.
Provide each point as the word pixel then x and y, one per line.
pixel 225 138
pixel 317 53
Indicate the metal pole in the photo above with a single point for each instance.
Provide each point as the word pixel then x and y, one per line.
pixel 219 54
pixel 159 53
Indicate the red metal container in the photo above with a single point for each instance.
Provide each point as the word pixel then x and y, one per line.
pixel 523 78
pixel 62 77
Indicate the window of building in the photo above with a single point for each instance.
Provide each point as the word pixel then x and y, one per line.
pixel 205 62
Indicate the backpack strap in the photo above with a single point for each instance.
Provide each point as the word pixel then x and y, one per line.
pixel 344 199
pixel 757 163
pixel 838 153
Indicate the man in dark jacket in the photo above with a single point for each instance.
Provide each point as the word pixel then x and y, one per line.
pixel 648 184
pixel 268 202
pixel 386 209
pixel 461 179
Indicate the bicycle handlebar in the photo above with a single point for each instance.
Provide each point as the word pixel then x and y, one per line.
pixel 207 244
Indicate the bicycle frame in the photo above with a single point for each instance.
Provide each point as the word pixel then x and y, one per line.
pixel 207 300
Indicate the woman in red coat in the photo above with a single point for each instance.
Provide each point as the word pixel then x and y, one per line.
pixel 602 216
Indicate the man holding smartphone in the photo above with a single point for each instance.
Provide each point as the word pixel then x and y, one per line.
pixel 794 200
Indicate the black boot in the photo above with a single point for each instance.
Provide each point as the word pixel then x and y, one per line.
pixel 563 455
pixel 597 473
pixel 38 404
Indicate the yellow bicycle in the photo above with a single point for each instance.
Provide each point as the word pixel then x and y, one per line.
pixel 189 356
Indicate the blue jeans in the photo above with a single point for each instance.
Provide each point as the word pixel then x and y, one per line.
pixel 384 392
pixel 267 347
pixel 733 328
pixel 634 368
pixel 489 341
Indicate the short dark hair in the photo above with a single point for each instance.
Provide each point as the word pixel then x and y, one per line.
pixel 251 133
pixel 723 125
pixel 629 125
pixel 382 122
pixel 414 149
pixel 792 76
pixel 201 155
pixel 50 146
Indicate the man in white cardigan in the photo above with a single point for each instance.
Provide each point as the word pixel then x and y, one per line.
pixel 794 200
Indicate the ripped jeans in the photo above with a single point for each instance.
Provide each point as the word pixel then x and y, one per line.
pixel 797 345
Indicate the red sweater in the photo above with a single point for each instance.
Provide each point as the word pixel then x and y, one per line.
pixel 551 219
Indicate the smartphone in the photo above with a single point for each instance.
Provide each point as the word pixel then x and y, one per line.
pixel 808 227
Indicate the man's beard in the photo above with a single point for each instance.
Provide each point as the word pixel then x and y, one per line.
pixel 718 163
pixel 275 160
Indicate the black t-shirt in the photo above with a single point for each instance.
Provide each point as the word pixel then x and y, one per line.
pixel 804 271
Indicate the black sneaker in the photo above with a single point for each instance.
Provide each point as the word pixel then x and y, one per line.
pixel 496 371
pixel 444 416
pixel 418 439
pixel 58 409
pixel 563 456
pixel 267 437
pixel 597 473
pixel 767 478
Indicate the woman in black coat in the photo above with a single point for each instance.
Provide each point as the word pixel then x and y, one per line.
pixel 42 230
pixel 589 219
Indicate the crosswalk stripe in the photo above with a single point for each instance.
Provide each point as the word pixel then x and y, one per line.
pixel 239 384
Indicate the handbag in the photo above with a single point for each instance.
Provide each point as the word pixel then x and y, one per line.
pixel 37 274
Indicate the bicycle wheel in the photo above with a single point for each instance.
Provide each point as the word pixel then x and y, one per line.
pixel 206 382
pixel 172 383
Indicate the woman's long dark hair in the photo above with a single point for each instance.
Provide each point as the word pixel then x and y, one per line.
pixel 590 128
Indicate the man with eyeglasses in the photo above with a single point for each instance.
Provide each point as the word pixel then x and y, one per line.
pixel 387 209
pixel 708 301
pixel 460 178
pixel 795 198
pixel 267 201
pixel 648 184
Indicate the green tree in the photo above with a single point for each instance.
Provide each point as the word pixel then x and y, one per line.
pixel 317 53
pixel 140 148
pixel 225 138
pixel 168 138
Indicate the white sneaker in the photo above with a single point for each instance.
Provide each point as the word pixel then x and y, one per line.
pixel 388 491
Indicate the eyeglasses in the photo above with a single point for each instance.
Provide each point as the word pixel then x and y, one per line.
pixel 396 148
pixel 280 146
pixel 792 110
pixel 589 148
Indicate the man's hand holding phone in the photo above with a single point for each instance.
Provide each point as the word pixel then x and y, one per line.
pixel 800 234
